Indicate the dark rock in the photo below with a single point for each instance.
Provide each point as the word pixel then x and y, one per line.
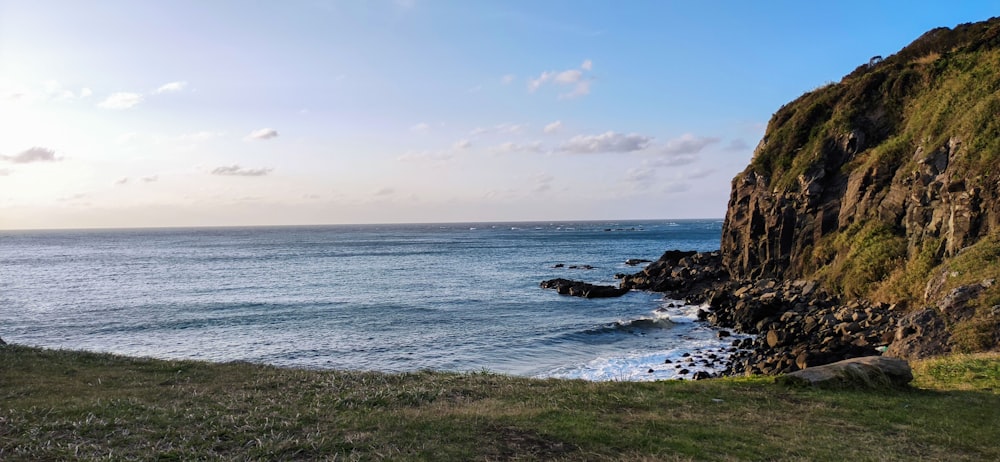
pixel 683 372
pixel 701 375
pixel 558 265
pixel 582 289
pixel 723 334
pixel 636 261
pixel 650 371
pixel 667 361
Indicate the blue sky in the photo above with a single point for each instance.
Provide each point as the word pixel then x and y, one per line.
pixel 195 113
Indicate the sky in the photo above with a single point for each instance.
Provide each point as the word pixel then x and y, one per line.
pixel 227 113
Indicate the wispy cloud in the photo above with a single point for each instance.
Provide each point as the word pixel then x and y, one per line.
pixel 571 77
pixel 384 192
pixel 508 79
pixel 553 127
pixel 532 147
pixel 35 154
pixel 606 142
pixel 439 156
pixel 236 170
pixel 170 87
pixel 121 100
pixel 263 134
pixel 684 149
pixel 4 172
pixel 737 145
pixel 688 144
pixel 541 183
pixel 421 128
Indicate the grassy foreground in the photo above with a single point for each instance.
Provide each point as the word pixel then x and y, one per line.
pixel 62 405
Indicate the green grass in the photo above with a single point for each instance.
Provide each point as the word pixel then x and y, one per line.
pixel 62 405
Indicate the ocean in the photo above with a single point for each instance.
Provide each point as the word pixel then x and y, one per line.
pixel 450 297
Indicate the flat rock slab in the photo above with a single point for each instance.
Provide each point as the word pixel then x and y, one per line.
pixel 866 372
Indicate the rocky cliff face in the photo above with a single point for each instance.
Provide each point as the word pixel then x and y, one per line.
pixel 885 186
pixel 899 156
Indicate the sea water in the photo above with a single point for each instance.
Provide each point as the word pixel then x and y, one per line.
pixel 453 297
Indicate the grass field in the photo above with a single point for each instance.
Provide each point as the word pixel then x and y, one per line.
pixel 63 405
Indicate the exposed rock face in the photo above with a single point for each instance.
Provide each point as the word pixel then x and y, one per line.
pixel 872 148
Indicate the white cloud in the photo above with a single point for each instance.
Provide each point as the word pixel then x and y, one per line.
pixel 35 154
pixel 606 142
pixel 150 179
pixel 571 77
pixel 553 127
pixel 385 192
pixel 236 170
pixel 461 145
pixel 639 175
pixel 534 84
pixel 85 92
pixel 4 172
pixel 688 144
pixel 507 79
pixel 121 100
pixel 122 180
pixel 533 147
pixel 581 89
pixel 263 134
pixel 170 87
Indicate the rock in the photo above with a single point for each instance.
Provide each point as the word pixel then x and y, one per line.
pixel 919 334
pixel 866 372
pixel 723 334
pixel 2 342
pixel 636 261
pixel 701 375
pixel 583 289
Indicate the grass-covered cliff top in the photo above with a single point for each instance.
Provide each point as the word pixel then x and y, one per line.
pixel 60 405
pixel 945 84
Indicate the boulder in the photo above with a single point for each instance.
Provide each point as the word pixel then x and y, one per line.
pixel 866 372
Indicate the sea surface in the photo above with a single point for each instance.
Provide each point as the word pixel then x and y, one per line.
pixel 454 297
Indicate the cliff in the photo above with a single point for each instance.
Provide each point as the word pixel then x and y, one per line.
pixel 885 185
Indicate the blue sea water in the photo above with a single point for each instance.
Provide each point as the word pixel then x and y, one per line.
pixel 456 297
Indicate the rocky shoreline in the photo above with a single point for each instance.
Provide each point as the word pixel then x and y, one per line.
pixel 795 324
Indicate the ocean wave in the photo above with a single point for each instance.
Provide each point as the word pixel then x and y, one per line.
pixel 639 326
